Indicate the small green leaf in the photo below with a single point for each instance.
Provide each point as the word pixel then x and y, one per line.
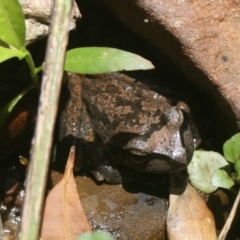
pixel 95 60
pixel 202 167
pixel 222 179
pixel 235 178
pixel 12 23
pixel 6 109
pixel 95 236
pixel 237 169
pixel 7 53
pixel 231 148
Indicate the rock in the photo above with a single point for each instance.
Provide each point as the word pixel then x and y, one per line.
pixel 38 14
pixel 121 212
pixel 202 37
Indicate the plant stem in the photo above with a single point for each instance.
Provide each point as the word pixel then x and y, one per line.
pixel 7 108
pixel 39 69
pixel 231 216
pixel 32 68
pixel 47 110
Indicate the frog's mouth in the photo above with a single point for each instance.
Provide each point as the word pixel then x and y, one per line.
pixel 155 163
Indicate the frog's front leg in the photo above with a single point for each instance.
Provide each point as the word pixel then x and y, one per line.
pixel 97 156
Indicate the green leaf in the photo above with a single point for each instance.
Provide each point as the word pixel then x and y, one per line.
pixel 6 53
pixel 231 149
pixel 235 178
pixel 237 169
pixel 95 60
pixel 95 236
pixel 222 179
pixel 12 23
pixel 6 109
pixel 202 167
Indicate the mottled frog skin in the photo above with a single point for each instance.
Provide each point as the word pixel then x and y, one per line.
pixel 114 120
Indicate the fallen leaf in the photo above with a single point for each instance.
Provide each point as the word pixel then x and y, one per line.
pixel 188 216
pixel 64 217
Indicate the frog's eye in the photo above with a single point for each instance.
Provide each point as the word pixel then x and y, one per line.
pixel 137 146
pixel 138 152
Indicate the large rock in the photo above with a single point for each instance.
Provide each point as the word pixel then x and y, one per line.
pixel 134 211
pixel 201 36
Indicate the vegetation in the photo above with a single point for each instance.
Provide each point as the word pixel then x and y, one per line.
pixel 207 170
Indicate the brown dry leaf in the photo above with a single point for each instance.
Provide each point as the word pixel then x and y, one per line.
pixel 188 215
pixel 64 217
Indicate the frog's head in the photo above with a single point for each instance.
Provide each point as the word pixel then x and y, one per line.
pixel 167 147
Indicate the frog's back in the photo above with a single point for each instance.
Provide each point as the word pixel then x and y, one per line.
pixel 117 104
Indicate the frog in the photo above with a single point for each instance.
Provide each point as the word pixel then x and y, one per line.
pixel 114 120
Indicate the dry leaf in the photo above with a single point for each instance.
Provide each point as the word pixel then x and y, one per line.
pixel 188 215
pixel 64 217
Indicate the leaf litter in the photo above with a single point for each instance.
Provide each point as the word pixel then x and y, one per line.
pixel 188 215
pixel 64 217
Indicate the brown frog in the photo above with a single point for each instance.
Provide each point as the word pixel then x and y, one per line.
pixel 114 120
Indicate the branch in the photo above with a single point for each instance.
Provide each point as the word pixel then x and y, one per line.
pixel 47 110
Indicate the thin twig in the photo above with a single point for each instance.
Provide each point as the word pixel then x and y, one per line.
pixel 1 228
pixel 229 221
pixel 41 144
